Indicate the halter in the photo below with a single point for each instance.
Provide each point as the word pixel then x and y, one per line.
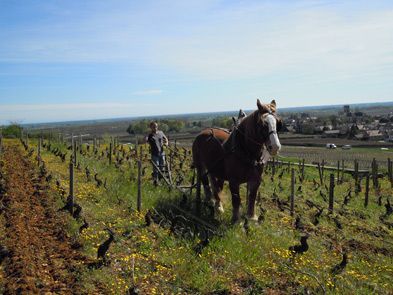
pixel 241 149
pixel 254 140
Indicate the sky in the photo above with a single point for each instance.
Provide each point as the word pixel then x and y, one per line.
pixel 76 60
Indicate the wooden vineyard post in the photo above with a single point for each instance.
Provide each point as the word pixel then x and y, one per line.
pixel 192 181
pixel 320 174
pixel 331 193
pixel 338 171
pixel 136 146
pixel 356 171
pixel 373 171
pixel 367 190
pixel 139 197
pixel 342 170
pixel 292 191
pixel 302 170
pixel 390 172
pixel 198 199
pixel 110 153
pixel 71 195
pixel 94 144
pixel 74 152
pixel 39 151
pixel 323 168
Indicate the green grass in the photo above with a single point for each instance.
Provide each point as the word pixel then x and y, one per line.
pixel 233 261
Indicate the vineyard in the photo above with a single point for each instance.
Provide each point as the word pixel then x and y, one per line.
pixel 87 219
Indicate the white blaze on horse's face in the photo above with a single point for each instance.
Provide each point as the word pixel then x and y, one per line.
pixel 273 144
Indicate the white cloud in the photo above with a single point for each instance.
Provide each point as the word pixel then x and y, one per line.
pixel 237 41
pixel 303 42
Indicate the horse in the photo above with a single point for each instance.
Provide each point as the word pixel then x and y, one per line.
pixel 237 157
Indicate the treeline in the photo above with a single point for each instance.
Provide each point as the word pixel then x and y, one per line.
pixel 142 126
pixel 13 130
pixel 178 125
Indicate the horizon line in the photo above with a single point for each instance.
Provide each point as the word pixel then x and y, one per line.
pixel 196 113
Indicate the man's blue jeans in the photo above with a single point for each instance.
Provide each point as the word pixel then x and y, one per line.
pixel 159 161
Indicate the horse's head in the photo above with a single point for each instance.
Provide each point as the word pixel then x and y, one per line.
pixel 270 124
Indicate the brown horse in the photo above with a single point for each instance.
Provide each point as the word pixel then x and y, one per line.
pixel 236 157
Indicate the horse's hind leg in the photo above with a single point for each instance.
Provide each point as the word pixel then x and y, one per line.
pixel 217 186
pixel 206 186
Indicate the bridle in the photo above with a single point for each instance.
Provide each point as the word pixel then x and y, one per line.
pixel 242 151
pixel 253 140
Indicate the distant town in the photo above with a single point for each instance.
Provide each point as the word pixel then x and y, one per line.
pixel 347 123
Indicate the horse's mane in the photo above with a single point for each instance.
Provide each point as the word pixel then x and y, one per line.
pixel 248 124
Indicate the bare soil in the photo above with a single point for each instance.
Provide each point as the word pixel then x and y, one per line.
pixel 41 259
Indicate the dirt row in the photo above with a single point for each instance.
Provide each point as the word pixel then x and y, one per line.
pixel 39 257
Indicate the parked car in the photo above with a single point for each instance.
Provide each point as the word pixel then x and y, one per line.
pixel 331 146
pixel 346 147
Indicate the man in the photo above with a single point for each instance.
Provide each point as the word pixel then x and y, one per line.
pixel 157 140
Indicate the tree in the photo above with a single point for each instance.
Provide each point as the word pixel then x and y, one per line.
pixel 163 127
pixel 138 127
pixel 12 130
pixel 175 125
pixel 223 122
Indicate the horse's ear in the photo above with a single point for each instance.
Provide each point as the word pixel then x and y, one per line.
pixel 261 107
pixel 273 102
pixel 280 125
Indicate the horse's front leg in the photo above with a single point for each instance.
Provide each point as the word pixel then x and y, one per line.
pixel 234 187
pixel 253 186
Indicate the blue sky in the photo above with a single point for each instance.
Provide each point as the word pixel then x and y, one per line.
pixel 71 60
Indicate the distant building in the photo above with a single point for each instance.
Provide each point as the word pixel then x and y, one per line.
pixel 370 135
pixel 331 134
pixel 347 109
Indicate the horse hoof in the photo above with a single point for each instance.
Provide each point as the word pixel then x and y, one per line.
pixel 220 208
pixel 252 218
pixel 235 220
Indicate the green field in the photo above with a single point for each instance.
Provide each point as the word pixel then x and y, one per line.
pixel 167 257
